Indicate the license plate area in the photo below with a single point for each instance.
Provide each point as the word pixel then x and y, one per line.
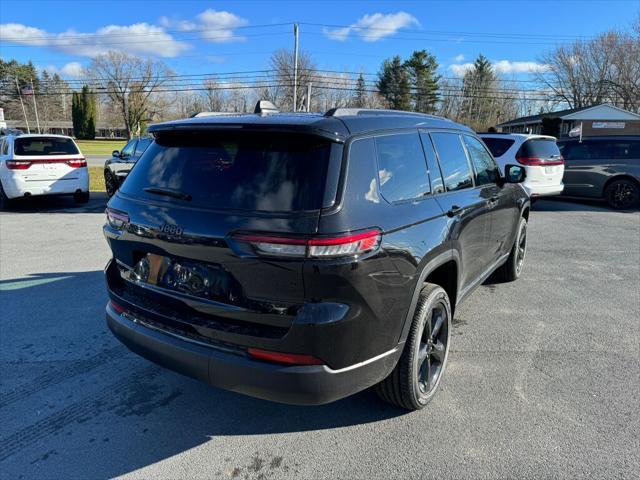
pixel 549 170
pixel 193 278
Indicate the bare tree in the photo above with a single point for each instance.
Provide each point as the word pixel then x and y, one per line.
pixel 214 96
pixel 605 69
pixel 282 62
pixel 130 83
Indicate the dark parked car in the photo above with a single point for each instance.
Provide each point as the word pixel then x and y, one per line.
pixel 603 167
pixel 122 161
pixel 305 257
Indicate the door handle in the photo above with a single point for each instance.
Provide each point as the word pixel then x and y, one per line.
pixel 453 211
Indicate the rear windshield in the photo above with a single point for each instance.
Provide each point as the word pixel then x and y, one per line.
pixel 251 171
pixel 539 148
pixel 44 146
pixel 498 146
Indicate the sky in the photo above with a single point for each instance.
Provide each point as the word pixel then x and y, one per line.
pixel 202 37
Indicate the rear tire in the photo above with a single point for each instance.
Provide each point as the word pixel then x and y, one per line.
pixel 512 268
pixel 5 202
pixel 81 197
pixel 416 378
pixel 622 194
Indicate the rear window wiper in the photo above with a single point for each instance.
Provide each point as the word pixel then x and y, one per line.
pixel 169 193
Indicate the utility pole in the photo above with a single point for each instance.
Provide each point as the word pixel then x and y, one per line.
pixel 35 106
pixel 309 97
pixel 295 66
pixel 24 112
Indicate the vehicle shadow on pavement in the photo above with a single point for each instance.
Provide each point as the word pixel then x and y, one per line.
pixel 573 205
pixel 104 411
pixel 58 204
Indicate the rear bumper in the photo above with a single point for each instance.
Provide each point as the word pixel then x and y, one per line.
pixel 16 185
pixel 234 370
pixel 540 191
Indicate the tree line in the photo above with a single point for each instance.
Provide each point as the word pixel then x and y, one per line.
pixel 129 92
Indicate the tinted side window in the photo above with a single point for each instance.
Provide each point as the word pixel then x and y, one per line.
pixel 402 171
pixel 483 164
pixel 127 151
pixel 498 146
pixel 625 149
pixel 453 161
pixel 142 146
pixel 588 150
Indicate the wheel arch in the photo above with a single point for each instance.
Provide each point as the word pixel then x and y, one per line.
pixel 442 270
pixel 620 176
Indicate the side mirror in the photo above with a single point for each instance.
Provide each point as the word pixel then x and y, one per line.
pixel 514 174
pixel 116 153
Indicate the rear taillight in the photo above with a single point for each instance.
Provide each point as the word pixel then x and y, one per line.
pixel 536 161
pixel 116 219
pixel 77 162
pixel 316 247
pixel 18 164
pixel 286 358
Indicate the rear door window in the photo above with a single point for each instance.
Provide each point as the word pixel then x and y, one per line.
pixel 486 170
pixel 128 149
pixel 498 146
pixel 249 171
pixel 402 170
pixel 453 161
pixel 44 146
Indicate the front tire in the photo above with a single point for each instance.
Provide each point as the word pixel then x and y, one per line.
pixel 622 194
pixel 512 268
pixel 110 183
pixel 416 378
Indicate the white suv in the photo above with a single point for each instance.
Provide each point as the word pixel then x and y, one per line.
pixel 42 165
pixel 539 155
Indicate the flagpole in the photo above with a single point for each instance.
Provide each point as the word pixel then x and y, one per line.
pixel 22 103
pixel 35 106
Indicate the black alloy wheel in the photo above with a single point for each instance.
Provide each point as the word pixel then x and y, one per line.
pixel 622 194
pixel 110 183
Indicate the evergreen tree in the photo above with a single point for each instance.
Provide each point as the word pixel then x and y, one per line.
pixel 83 114
pixel 478 107
pixel 421 68
pixel 393 84
pixel 360 97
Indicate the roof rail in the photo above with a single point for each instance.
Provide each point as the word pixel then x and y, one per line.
pixel 343 112
pixel 211 114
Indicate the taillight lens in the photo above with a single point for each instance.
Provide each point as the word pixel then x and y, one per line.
pixel 116 219
pixel 536 161
pixel 18 164
pixel 286 358
pixel 318 247
pixel 77 162
pixel 117 307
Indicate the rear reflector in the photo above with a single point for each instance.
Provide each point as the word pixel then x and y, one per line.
pixel 536 161
pixel 318 247
pixel 286 358
pixel 117 307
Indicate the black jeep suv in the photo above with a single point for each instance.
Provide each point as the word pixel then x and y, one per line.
pixel 305 257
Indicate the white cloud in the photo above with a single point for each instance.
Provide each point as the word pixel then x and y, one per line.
pixel 505 66
pixel 212 25
pixel 72 69
pixel 372 28
pixel 459 69
pixel 502 66
pixel 458 58
pixel 139 38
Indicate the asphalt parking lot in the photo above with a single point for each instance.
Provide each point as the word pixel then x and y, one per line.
pixel 543 379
